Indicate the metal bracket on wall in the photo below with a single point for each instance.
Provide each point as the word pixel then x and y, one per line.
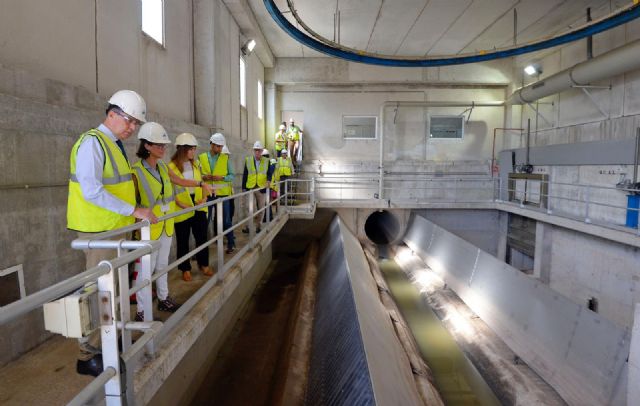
pixel 16 269
pixel 590 96
pixel 540 114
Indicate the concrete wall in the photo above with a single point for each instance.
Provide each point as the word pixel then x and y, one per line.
pixel 49 95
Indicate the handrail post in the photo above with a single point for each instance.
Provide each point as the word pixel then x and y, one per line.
pixel 279 197
pixel 109 334
pixel 549 209
pixel 220 242
pixel 587 201
pixel 252 226
pixel 286 193
pixel 267 205
pixel 145 273
pixel 313 190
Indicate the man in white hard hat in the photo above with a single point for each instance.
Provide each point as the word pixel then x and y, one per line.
pixel 218 171
pixel 102 193
pixel 257 175
pixel 294 134
pixel 280 140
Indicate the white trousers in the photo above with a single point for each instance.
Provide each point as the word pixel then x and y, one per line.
pixel 159 260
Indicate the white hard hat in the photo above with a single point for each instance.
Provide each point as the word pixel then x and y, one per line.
pixel 284 151
pixel 291 120
pixel 218 139
pixel 258 145
pixel 265 152
pixel 225 150
pixel 282 127
pixel 131 103
pixel 153 132
pixel 186 139
pixel 273 160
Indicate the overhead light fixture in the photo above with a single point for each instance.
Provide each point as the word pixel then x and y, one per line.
pixel 533 69
pixel 248 46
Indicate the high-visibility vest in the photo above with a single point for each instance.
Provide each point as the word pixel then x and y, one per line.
pixel 87 217
pixel 221 187
pixel 276 175
pixel 156 195
pixel 284 167
pixel 293 133
pixel 259 178
pixel 182 193
pixel 280 141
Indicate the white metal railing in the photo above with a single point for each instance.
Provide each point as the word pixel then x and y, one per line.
pixel 602 205
pixel 112 277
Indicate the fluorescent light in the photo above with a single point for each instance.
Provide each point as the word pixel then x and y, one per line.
pixel 533 69
pixel 251 44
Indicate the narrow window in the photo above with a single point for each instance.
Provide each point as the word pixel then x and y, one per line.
pixel 153 19
pixel 260 100
pixel 243 83
pixel 359 127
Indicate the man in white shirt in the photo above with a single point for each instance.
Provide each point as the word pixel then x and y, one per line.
pixel 102 193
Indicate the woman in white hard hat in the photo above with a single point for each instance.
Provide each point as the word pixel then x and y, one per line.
pixel 280 140
pixel 185 166
pixel 155 191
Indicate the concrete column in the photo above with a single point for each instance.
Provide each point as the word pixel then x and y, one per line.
pixel 503 229
pixel 272 112
pixel 204 61
pixel 542 257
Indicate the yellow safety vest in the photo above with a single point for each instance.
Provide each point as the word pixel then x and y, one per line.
pixel 281 141
pixel 156 195
pixel 293 133
pixel 182 193
pixel 87 217
pixel 276 176
pixel 259 178
pixel 222 188
pixel 284 167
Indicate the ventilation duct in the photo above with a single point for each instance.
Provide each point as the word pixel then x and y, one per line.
pixel 615 62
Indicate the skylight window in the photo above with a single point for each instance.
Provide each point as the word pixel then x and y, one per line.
pixel 153 19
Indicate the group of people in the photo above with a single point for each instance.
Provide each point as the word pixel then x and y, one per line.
pixel 107 192
pixel 288 139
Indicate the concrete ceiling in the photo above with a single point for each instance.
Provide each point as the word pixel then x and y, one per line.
pixel 428 27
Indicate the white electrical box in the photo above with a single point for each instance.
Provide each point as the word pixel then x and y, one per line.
pixel 75 315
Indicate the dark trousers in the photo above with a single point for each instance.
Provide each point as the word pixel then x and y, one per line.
pixel 228 207
pixel 198 226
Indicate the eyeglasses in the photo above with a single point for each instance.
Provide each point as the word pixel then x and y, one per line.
pixel 128 118
pixel 163 146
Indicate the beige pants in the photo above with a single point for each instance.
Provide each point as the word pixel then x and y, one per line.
pixel 91 345
pixel 260 202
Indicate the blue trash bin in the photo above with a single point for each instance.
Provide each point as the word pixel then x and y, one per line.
pixel 633 204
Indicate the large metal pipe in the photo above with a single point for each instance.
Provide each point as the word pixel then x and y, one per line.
pixel 610 64
pixel 397 104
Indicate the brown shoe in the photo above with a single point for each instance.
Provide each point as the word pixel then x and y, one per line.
pixel 206 271
pixel 186 276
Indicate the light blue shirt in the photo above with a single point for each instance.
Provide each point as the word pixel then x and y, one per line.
pixel 89 166
pixel 213 159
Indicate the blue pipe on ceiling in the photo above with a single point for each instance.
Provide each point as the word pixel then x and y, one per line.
pixel 631 13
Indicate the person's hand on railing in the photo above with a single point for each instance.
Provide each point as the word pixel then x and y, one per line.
pixel 145 214
pixel 208 178
pixel 208 189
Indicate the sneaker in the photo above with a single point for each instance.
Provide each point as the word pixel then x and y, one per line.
pixel 206 271
pixel 231 250
pixel 168 305
pixel 139 316
pixel 91 367
pixel 245 230
pixel 186 276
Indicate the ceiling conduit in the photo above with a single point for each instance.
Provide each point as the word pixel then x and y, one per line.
pixel 612 63
pixel 613 20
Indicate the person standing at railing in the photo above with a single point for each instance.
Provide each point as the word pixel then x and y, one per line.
pixel 102 194
pixel 273 185
pixel 232 205
pixel 280 140
pixel 285 168
pixel 257 175
pixel 155 191
pixel 218 171
pixel 184 165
